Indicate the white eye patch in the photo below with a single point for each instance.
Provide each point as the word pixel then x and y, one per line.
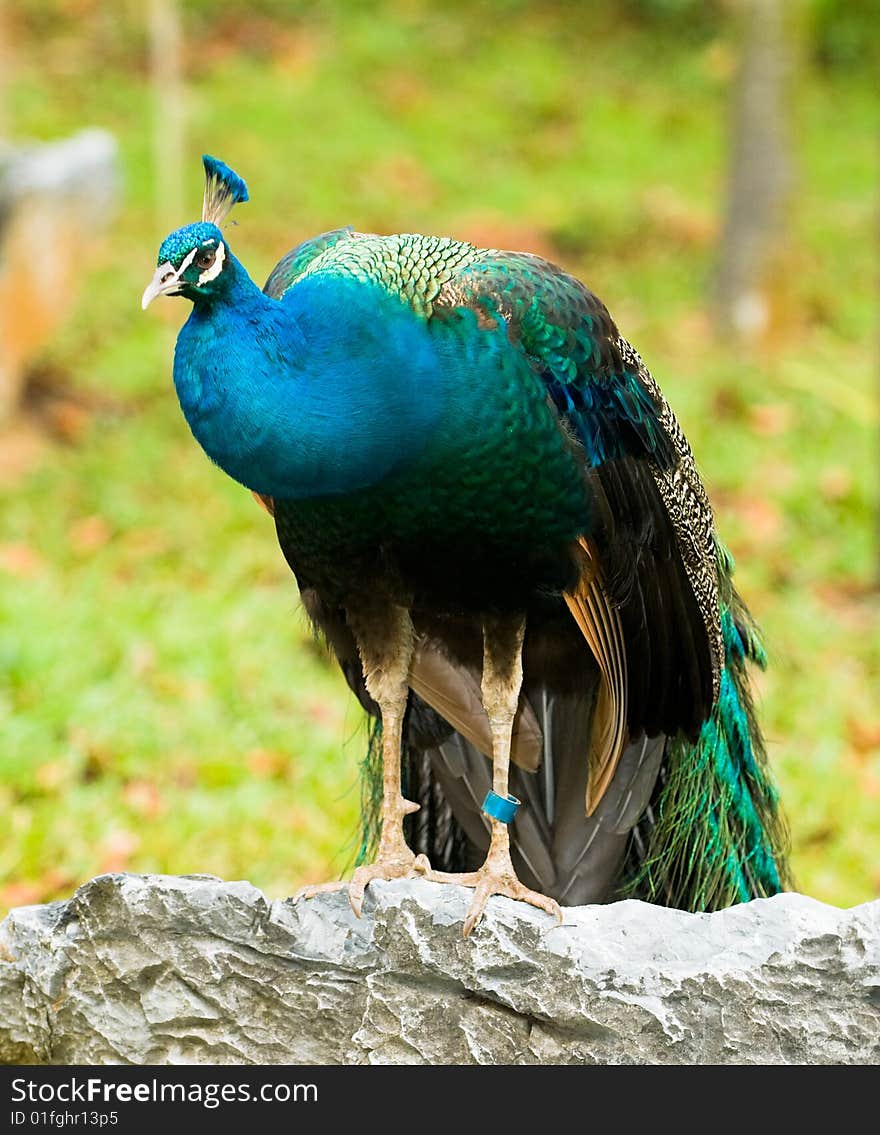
pixel 187 260
pixel 216 268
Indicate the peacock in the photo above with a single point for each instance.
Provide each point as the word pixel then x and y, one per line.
pixel 498 527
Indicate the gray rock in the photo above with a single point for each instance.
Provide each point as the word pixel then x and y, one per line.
pixel 56 199
pixel 166 970
pixel 85 165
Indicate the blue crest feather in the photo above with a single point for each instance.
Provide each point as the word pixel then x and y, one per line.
pixel 223 189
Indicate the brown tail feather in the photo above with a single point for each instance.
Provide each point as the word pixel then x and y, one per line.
pixel 600 625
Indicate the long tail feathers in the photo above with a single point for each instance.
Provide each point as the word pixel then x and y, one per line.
pixel 711 836
pixel 718 837
pixel 371 794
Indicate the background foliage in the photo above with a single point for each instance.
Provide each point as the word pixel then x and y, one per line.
pixel 162 707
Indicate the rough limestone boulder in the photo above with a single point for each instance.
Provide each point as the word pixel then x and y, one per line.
pixel 161 969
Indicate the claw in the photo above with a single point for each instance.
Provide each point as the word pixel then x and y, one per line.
pixel 493 885
pixel 310 891
pixel 401 864
pixel 488 881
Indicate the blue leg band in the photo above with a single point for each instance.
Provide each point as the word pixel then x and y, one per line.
pixel 501 808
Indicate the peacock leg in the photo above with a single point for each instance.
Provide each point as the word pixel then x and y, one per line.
pixel 502 679
pixel 385 643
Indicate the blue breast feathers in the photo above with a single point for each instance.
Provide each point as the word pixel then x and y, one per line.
pixel 328 391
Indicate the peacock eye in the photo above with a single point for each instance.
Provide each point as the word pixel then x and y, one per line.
pixel 204 259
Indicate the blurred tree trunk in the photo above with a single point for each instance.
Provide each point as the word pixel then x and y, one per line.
pixel 5 65
pixel 166 76
pixel 760 172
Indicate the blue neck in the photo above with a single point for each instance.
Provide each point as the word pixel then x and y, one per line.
pixel 326 391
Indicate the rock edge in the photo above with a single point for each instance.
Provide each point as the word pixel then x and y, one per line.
pixel 160 969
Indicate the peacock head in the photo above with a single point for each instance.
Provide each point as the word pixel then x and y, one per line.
pixel 192 259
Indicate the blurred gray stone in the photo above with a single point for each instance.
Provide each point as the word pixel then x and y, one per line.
pixel 56 199
pixel 83 165
pixel 165 969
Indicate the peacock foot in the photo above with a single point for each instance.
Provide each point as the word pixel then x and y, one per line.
pixel 495 877
pixel 386 868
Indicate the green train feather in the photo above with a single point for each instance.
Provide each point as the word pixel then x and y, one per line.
pixel 718 837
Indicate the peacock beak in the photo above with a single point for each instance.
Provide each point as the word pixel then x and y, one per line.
pixel 163 283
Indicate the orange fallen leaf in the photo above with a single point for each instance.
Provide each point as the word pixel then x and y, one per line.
pixel 760 517
pixel 24 446
pixel 835 482
pixel 770 419
pixel 20 894
pixel 265 764
pixel 322 712
pixel 117 848
pixel 864 736
pixel 26 892
pixel 21 561
pixel 144 798
pixel 67 420
pixel 89 534
pixel 493 230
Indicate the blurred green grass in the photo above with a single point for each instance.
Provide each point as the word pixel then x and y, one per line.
pixel 162 705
